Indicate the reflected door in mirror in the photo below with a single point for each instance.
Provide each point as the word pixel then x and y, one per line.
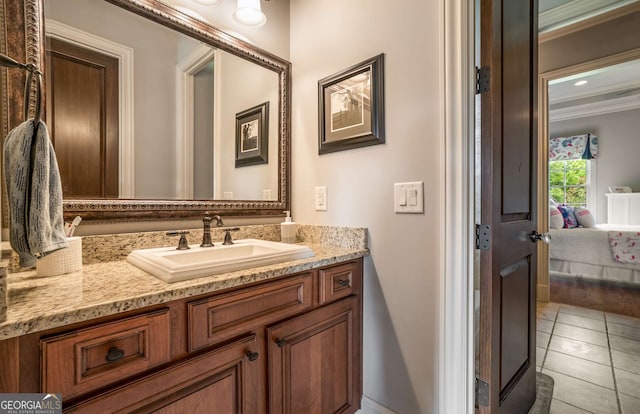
pixel 82 109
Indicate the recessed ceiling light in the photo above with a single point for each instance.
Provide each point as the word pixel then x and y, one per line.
pixel 580 83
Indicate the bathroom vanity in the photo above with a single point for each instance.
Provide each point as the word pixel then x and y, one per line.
pixel 284 338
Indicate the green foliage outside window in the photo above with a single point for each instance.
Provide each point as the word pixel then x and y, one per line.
pixel 568 182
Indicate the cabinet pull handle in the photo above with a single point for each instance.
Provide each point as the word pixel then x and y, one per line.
pixel 252 355
pixel 114 354
pixel 281 342
pixel 343 282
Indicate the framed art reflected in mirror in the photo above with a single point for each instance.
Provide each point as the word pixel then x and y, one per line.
pixel 252 132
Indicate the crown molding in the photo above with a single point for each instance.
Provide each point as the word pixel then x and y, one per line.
pixel 592 19
pixel 596 108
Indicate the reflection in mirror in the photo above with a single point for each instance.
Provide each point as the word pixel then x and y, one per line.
pixel 139 111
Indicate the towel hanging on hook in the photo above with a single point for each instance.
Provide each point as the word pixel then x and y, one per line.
pixel 34 190
pixel 31 69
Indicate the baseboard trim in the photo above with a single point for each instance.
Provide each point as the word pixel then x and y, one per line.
pixel 370 406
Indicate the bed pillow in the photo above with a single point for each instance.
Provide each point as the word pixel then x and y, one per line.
pixel 584 217
pixel 569 218
pixel 555 218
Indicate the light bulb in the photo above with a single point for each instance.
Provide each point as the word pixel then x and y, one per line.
pixel 249 13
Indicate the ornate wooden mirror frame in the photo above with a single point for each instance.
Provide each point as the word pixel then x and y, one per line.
pixel 23 37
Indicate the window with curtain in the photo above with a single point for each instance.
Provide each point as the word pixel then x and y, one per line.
pixel 570 169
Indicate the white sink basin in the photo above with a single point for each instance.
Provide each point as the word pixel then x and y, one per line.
pixel 173 265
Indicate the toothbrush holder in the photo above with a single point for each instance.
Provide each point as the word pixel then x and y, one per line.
pixel 62 261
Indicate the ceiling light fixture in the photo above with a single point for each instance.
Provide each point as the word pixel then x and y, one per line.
pixel 249 13
pixel 580 82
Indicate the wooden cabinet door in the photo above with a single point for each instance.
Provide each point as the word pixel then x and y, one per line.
pixel 315 361
pixel 227 380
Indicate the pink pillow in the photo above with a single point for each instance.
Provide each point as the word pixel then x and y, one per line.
pixel 555 218
pixel 584 217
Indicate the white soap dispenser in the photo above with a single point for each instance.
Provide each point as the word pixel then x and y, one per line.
pixel 288 229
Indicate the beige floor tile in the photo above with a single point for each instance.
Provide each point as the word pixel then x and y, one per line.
pixel 624 330
pixel 619 343
pixel 581 321
pixel 542 339
pixel 582 394
pixel 559 407
pixel 544 325
pixel 580 349
pixel 587 313
pixel 579 368
pixel 623 320
pixel 547 311
pixel 540 355
pixel 628 362
pixel 628 383
pixel 630 405
pixel 581 334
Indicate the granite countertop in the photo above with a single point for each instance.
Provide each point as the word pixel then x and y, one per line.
pixel 107 288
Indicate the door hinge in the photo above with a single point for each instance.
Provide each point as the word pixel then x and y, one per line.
pixel 482 393
pixel 482 79
pixel 483 236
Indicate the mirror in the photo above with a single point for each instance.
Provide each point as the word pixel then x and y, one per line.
pixel 179 158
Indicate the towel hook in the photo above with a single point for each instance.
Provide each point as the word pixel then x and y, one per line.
pixel 31 69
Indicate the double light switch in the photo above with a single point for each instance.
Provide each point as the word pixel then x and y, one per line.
pixel 409 197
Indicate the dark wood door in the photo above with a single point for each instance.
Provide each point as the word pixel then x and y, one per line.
pixel 82 113
pixel 508 206
pixel 228 380
pixel 315 361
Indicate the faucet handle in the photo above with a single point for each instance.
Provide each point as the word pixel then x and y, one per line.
pixel 182 243
pixel 227 235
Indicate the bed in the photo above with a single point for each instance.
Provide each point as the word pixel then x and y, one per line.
pixel 584 272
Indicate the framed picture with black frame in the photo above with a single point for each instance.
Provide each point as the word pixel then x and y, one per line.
pixel 252 136
pixel 351 107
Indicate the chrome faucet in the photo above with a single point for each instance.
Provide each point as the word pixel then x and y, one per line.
pixel 206 233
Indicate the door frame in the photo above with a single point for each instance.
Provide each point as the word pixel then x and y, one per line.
pixel 543 285
pixel 456 386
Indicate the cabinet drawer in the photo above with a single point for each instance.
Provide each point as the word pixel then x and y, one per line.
pixel 221 317
pixel 226 380
pixel 336 282
pixel 84 360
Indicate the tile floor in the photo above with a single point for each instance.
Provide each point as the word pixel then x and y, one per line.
pixel 594 358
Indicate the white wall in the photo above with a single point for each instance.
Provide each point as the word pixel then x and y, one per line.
pixel 401 276
pixel 618 149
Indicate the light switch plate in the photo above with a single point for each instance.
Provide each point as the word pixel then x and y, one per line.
pixel 408 197
pixel 321 198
